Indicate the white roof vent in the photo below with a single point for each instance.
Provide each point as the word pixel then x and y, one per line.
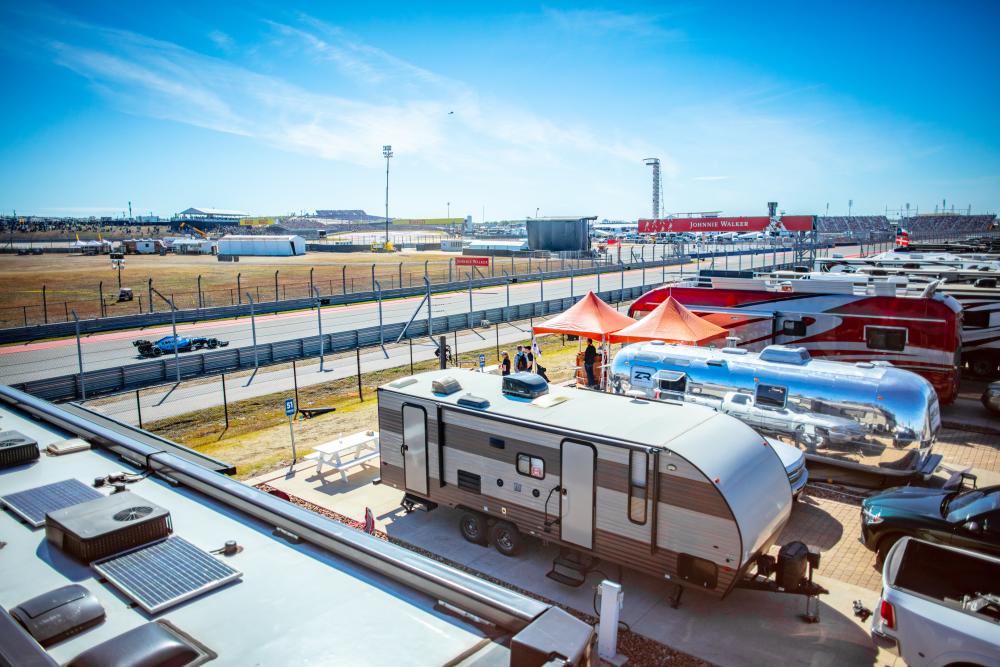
pixel 782 354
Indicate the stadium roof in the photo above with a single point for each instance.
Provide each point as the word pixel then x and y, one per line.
pixel 212 211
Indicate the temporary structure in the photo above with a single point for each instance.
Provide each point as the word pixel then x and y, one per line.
pixel 670 322
pixel 589 317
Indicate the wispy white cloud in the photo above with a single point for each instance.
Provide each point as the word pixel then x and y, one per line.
pixel 222 40
pixel 605 21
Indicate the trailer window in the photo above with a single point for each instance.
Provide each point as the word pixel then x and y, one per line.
pixel 531 466
pixel 885 338
pixel 638 478
pixel 793 328
pixel 771 396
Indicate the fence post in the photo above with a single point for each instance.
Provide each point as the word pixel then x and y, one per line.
pixel 225 403
pixel 311 269
pixel 343 279
pixel 45 306
pixel 454 354
pixel 200 302
pixel 357 353
pixel 411 355
pixel 79 357
pixel 319 326
pixel 100 291
pixel 496 326
pixel 149 287
pixel 25 313
pixel 276 285
pixel 138 407
pixel 295 382
pixel 239 292
pixel 253 331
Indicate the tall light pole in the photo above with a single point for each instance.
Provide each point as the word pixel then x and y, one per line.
pixel 449 210
pixel 387 153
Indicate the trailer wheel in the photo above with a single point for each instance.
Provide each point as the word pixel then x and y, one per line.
pixel 473 527
pixel 983 366
pixel 506 538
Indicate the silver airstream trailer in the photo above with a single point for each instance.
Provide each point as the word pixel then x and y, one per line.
pixel 864 423
pixel 616 478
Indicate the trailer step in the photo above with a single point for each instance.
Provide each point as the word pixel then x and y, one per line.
pixel 570 568
pixel 410 503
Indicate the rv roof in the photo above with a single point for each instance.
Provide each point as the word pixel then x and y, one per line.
pixel 813 366
pixel 295 604
pixel 642 422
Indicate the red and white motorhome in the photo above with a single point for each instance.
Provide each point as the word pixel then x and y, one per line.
pixel 917 333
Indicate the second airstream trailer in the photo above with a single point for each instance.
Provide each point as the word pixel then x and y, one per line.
pixel 676 491
pixel 867 422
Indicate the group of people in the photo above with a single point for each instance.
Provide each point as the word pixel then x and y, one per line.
pixel 525 361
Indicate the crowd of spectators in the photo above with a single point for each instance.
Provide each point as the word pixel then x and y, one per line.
pixel 943 225
pixel 854 226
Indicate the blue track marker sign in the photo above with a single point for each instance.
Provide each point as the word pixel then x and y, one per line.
pixel 482 361
pixel 289 406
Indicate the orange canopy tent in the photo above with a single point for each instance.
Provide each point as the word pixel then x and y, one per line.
pixel 671 322
pixel 589 317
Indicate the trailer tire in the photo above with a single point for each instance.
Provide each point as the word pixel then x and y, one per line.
pixel 473 527
pixel 983 366
pixel 506 538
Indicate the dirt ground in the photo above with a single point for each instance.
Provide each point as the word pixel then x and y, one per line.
pixel 73 282
pixel 257 439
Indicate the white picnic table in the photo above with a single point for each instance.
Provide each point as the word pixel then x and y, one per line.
pixel 346 452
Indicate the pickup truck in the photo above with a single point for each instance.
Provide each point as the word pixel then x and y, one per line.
pixel 940 606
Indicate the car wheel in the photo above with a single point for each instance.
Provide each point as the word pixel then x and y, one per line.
pixel 473 527
pixel 506 538
pixel 157 351
pixel 212 343
pixel 884 545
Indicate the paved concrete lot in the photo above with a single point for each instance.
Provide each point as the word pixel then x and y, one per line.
pixel 746 628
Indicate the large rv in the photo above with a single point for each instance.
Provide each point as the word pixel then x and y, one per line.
pixel 917 333
pixel 860 423
pixel 978 294
pixel 673 490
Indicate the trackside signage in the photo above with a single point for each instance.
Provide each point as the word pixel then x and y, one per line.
pixel 472 261
pixel 757 223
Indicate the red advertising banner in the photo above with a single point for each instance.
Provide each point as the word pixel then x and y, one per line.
pixel 472 261
pixel 755 223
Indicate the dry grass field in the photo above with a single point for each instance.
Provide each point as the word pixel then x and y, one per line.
pixel 73 282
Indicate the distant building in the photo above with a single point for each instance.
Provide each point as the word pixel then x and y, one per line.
pixel 262 246
pixel 560 233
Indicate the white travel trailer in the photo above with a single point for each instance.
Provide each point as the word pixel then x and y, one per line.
pixel 674 490
pixel 867 423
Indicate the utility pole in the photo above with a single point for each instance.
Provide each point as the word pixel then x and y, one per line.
pixel 387 153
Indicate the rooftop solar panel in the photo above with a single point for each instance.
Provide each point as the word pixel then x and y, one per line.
pixel 33 504
pixel 165 573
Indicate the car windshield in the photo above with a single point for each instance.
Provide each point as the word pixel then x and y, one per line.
pixel 963 505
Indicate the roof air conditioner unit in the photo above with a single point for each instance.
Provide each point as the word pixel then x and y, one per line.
pixel 16 448
pixel 524 385
pixel 98 528
pixel 446 385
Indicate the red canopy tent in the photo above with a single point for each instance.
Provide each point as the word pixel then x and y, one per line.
pixel 671 322
pixel 589 318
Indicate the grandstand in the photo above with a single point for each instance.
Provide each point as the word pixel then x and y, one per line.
pixel 354 215
pixel 854 226
pixel 937 224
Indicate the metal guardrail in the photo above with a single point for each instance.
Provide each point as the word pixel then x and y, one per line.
pixel 145 374
pixel 65 329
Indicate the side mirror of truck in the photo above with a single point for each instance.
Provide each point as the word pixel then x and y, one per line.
pixel 972 526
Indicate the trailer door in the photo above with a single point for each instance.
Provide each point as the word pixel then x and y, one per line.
pixel 414 449
pixel 576 507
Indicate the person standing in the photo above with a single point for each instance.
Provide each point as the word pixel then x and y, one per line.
pixel 504 363
pixel 521 360
pixel 589 357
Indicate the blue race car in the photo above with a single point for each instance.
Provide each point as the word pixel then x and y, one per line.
pixel 167 344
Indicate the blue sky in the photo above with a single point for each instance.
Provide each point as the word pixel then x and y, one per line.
pixel 508 107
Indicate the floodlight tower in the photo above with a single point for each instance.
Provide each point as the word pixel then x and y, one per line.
pixel 654 162
pixel 387 153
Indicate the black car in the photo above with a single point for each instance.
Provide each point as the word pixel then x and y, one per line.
pixel 969 519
